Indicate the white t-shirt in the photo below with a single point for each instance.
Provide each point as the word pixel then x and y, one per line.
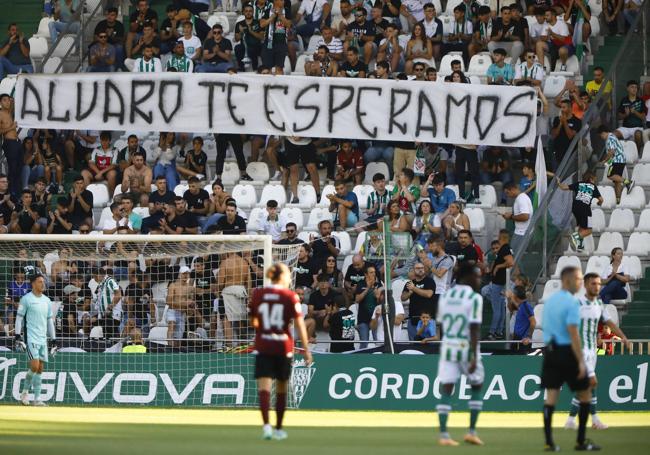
pixel 608 271
pixel 313 7
pixel 110 223
pixel 416 8
pixel 191 45
pixel 522 204
pixel 536 29
pixel 272 228
pixel 397 330
pixel 522 71
pixel 560 28
pixel 430 28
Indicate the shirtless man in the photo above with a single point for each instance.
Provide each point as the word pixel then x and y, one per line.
pixel 11 145
pixel 138 170
pixel 180 298
pixel 234 282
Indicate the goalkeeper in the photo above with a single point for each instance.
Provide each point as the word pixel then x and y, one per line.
pixel 35 313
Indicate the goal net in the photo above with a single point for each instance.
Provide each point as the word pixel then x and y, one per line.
pixel 141 319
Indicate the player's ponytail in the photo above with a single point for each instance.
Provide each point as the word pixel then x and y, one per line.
pixel 276 272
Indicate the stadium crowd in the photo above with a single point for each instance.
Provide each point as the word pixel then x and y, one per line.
pixel 53 179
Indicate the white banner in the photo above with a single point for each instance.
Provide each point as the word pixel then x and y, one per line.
pixel 279 105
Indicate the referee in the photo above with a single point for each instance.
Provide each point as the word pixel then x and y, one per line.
pixel 563 360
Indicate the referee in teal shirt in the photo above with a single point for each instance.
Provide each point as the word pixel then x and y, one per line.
pixel 563 360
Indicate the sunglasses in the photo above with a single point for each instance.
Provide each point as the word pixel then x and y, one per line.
pixel 330 260
pixel 418 69
pixel 102 36
pixel 290 231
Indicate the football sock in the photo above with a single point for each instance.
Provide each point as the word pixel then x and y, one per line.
pixel 443 409
pixel 28 380
pixel 575 404
pixel 280 406
pixel 548 417
pixel 36 384
pixel 475 407
pixel 265 404
pixel 583 415
pixel 594 402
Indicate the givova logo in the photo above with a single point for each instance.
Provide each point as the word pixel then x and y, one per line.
pixel 5 364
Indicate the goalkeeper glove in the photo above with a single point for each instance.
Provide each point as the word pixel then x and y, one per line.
pixel 54 347
pixel 20 344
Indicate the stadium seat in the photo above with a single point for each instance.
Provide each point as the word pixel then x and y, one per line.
pixel 37 47
pixel 244 195
pixel 633 200
pixel 638 244
pixel 306 197
pixel 273 192
pixel 313 44
pixel 537 339
pixel 142 211
pixel 8 84
pixel 291 215
pixel 608 241
pixel 255 218
pixel 65 47
pixel 316 215
pixel 487 196
pixel 597 264
pixel 474 79
pixel 631 152
pixel 43 28
pixel 361 239
pixel 96 333
pixel 612 313
pixel 566 261
pixel 454 188
pixel 397 287
pixel 479 64
pixel 100 194
pixel 595 25
pixel 362 192
pixel 347 262
pixel 180 189
pixel 219 19
pixel 640 174
pixel 324 202
pixel 538 311
pixel 300 63
pixel 598 223
pixel 596 7
pixel 550 287
pixel 609 197
pixel 429 62
pixel 53 65
pixel 49 259
pixel 476 219
pixel 230 175
pixel 633 266
pixel 572 66
pixel 553 85
pixel 287 66
pixel 374 168
pixel 120 144
pixel 305 235
pixel 621 220
pixel 644 221
pixel 158 335
pixel 344 241
pixel 645 156
pixel 445 63
pixel 105 215
pixel 451 4
pixel 258 171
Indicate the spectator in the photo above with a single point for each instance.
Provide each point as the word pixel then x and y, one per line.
pixel 565 127
pixel 125 156
pixel 467 159
pixel 102 55
pixel 14 54
pixel 24 220
pixel 585 192
pixel 128 203
pixel 496 166
pixel 500 72
pixel 378 318
pixel 382 71
pixel 350 165
pixel 339 321
pixel 613 16
pixel 631 11
pixel 389 49
pixel 291 237
pixel 330 269
pixel 321 299
pixel 305 268
pixel 42 200
pixel 353 67
pixel 271 224
pixel 442 264
pixel 464 249
pixel 138 171
pixel 557 40
pixel 10 142
pixel 216 53
pixel 142 22
pixel 169 30
pixel 354 275
pixel 454 221
pixel 405 192
pixel 529 71
pixel 59 220
pixel 192 43
pixel 378 199
pixel 341 21
pixel 632 112
pixel 316 14
pixel 66 15
pixel 433 28
pixel 615 277
pixel 440 196
pixel 217 209
pixel 114 30
pixel 108 297
pixel 579 100
pixel 102 165
pixel 528 179
pixel 276 23
pixel 425 331
pixel 301 150
pixel 507 34
pixel 179 62
pixel 81 203
pixel 181 297
pixel 368 296
pixel 180 219
pixel 537 28
pixel 165 155
pixel 148 63
pixel 522 211
pixel 616 160
pixel 326 244
pixel 420 291
pixel 516 12
pixel 157 200
pixel 195 161
pixel 573 11
pixel 344 205
pixel 118 219
pixel 33 163
pixel 197 199
pixel 8 202
pixel 418 47
pixel 53 167
pixel 249 34
pixel 139 305
pixel 323 65
pixel 412 11
pixel 17 288
pixel 460 36
pixel 525 322
pixel 390 10
pixel 426 222
pixel 360 35
pixel 334 45
pixel 456 73
pixel 593 86
pixel 231 224
pixel 495 291
pixel 148 45
pixel 397 222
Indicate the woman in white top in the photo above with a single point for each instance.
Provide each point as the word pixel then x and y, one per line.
pixel 165 156
pixel 396 221
pixel 425 223
pixel 455 221
pixel 614 278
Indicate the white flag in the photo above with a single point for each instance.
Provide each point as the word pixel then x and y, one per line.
pixel 540 171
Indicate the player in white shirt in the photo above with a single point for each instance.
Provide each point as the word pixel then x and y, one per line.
pixel 460 312
pixel 592 311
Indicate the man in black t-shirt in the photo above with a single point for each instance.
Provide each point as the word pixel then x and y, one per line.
pixel 305 268
pixel 184 219
pixel 326 245
pixel 291 229
pixel 378 24
pixel 632 111
pixel 198 200
pixel 250 35
pixel 360 35
pixel 231 224
pixel 59 219
pixel 495 290
pixel 81 203
pixel 143 15
pixel 114 29
pixel 354 275
pixel 321 299
pixel 353 66
pixel 205 285
pixel 216 53
pixel 585 192
pixel 340 322
pixel 368 294
pixel 157 201
pixel 421 293
pixel 464 250
pixel 565 127
pixel 507 34
pixel 139 303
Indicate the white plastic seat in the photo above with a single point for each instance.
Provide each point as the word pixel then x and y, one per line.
pixel 455 189
pixel 306 197
pixel 230 174
pixel 638 244
pixel 180 189
pixel 287 66
pixel 105 215
pixel 397 287
pixel 96 333
pixel 538 312
pixel 550 287
pixel 362 192
pixel 429 62
pixel 596 7
pixel 361 239
pixel 479 64
pixel 597 264
pixel 324 202
pixel 43 28
pixel 598 223
pixel 244 195
pixel 445 63
pixel 622 220
pixel 609 197
pixel 100 194
pixel 487 196
pixel 142 211
pixel 8 84
pixel 645 156
pixel 291 215
pixel 37 46
pixel 633 265
pixel 158 335
pixel 572 66
pixel 255 219
pixel 612 313
pixel 304 235
pixel 644 221
pixel 476 219
pixel 313 44
pixel 608 241
pixel 451 4
pixel 65 44
pixel 566 261
pixel 631 152
pixel 553 85
pixel 273 192
pixel 53 65
pixel 633 200
pixel 219 19
pixel 300 62
pixel 317 215
pixel 640 174
pixel 258 171
pixel 345 243
pixel 377 167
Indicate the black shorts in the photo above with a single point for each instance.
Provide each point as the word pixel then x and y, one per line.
pixel 274 57
pixel 583 216
pixel 560 366
pixel 616 169
pixel 296 154
pixel 272 366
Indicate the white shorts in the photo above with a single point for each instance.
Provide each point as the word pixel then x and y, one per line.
pixel 450 372
pixel 628 133
pixel 234 302
pixel 590 358
pixel 178 318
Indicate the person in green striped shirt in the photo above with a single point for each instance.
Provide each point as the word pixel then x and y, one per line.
pixel 616 160
pixel 592 311
pixel 179 62
pixel 460 312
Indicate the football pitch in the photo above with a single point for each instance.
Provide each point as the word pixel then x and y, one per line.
pixel 123 431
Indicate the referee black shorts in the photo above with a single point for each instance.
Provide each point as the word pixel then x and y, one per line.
pixel 561 366
pixel 273 366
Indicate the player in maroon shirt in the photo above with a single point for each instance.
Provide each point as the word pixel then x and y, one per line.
pixel 272 308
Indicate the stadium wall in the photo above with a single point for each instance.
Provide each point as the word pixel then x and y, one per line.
pixel 350 382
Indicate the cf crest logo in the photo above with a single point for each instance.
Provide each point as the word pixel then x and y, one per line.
pixel 5 364
pixel 301 376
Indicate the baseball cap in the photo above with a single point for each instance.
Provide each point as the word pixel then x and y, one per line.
pixel 184 269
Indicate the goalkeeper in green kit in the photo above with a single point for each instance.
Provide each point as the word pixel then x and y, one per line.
pixel 35 315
